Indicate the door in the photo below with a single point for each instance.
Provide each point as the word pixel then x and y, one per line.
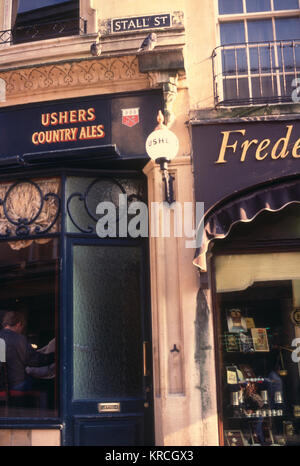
pixel 109 381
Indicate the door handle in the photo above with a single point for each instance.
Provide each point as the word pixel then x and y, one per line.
pixel 146 371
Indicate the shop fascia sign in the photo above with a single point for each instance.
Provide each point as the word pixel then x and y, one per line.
pixel 238 155
pixel 235 142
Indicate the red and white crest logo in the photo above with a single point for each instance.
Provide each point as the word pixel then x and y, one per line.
pixel 130 116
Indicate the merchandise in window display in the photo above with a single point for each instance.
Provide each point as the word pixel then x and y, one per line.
pixel 235 321
pixel 260 339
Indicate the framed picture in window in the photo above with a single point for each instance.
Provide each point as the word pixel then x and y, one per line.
pixel 234 438
pixel 232 342
pixel 260 339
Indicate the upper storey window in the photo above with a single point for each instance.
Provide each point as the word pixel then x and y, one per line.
pixel 258 60
pixel 45 19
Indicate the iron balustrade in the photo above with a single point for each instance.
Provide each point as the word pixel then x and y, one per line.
pixel 256 72
pixel 43 31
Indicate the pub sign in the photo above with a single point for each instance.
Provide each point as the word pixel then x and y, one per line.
pixel 121 120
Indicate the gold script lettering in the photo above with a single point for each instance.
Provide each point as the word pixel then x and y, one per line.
pixel 225 144
pixel 283 153
pixel 261 146
pixel 295 154
pixel 245 146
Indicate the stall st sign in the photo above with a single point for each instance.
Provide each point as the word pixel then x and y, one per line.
pixel 232 157
pixel 79 123
pixel 138 23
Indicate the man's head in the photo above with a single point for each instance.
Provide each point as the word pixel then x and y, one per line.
pixel 14 320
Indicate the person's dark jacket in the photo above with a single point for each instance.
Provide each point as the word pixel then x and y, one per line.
pixel 19 354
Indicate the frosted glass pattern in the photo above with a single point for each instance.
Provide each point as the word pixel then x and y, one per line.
pixel 107 322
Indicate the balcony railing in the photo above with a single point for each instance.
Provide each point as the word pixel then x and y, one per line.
pixel 43 30
pixel 256 72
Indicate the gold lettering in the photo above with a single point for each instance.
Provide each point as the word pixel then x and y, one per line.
pixel 100 129
pixel 261 146
pixel 45 119
pixel 283 153
pixel 91 114
pixel 63 117
pixel 73 116
pixel 74 133
pixel 82 133
pixel 295 154
pixel 225 145
pixel 34 138
pixel 54 119
pixel 245 146
pixel 81 115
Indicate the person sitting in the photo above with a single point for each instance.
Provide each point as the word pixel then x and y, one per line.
pixel 20 353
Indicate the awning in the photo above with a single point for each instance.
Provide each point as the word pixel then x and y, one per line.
pixel 217 223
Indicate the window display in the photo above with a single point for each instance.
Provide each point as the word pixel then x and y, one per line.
pixel 257 340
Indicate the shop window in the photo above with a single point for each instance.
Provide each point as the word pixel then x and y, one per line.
pixel 258 300
pixel 29 295
pixel 260 44
pixel 38 20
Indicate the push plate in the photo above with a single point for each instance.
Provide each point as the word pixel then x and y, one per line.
pixel 109 407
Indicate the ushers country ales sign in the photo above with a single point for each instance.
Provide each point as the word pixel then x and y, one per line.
pixel 64 125
pixel 235 156
pixel 71 133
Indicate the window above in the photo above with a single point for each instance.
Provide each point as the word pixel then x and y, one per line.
pixel 254 6
pixel 258 60
pixel 38 20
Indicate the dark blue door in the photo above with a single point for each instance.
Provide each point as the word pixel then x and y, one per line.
pixel 109 375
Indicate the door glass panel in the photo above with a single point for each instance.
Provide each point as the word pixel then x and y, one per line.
pixel 83 195
pixel 107 322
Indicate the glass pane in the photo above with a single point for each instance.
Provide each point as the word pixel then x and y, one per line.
pixel 286 4
pixel 29 291
pixel 235 89
pixel 232 32
pixel 264 87
pixel 259 361
pixel 260 30
pixel 230 6
pixel 107 322
pixel 234 61
pixel 257 5
pixel 287 28
pixel 27 5
pixel 84 194
pixel 288 56
pixel 262 59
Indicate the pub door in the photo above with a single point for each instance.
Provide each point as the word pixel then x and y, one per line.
pixel 109 391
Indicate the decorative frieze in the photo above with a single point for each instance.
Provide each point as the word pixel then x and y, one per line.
pixel 70 75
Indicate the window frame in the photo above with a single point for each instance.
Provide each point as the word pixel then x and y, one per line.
pixel 87 15
pixel 217 54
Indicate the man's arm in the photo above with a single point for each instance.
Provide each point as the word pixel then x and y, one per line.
pixel 36 359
